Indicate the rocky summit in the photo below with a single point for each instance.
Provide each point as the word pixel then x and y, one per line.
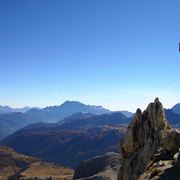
pixel 150 148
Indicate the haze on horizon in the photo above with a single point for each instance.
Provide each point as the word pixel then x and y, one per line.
pixel 120 54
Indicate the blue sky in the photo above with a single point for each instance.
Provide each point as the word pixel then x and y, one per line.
pixel 117 53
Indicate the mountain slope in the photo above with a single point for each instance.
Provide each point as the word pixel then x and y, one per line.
pixel 99 167
pixel 72 140
pixel 12 122
pixel 176 108
pixel 173 118
pixel 9 123
pixel 128 114
pixel 65 147
pixel 18 166
pixel 79 121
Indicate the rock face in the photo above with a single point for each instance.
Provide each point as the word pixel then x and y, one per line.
pixel 148 134
pixel 104 167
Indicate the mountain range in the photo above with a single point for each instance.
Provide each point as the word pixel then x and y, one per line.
pixel 72 140
pixel 12 121
pixel 85 134
pixel 7 109
pixel 68 108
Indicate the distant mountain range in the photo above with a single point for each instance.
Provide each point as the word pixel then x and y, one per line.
pixel 11 121
pixel 68 108
pixel 7 109
pixel 83 135
pixel 75 138
pixel 55 113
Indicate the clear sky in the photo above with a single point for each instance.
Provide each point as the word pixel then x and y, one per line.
pixel 117 53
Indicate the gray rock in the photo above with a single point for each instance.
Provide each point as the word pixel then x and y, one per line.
pixel 146 134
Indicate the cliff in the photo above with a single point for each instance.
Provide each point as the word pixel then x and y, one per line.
pixel 149 141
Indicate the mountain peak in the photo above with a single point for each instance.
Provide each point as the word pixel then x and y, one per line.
pixel 176 108
pixel 156 100
pixel 71 103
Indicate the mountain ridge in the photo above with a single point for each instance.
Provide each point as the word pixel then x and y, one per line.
pixel 8 109
pixel 176 108
pixel 85 137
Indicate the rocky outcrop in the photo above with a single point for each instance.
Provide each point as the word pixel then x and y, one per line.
pixel 104 167
pixel 149 139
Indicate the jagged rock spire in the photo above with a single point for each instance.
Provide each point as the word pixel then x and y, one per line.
pixel 146 134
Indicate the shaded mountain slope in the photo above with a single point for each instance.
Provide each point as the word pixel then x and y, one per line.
pixel 9 123
pixel 100 167
pixel 64 146
pixel 176 108
pixel 79 121
pixel 173 118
